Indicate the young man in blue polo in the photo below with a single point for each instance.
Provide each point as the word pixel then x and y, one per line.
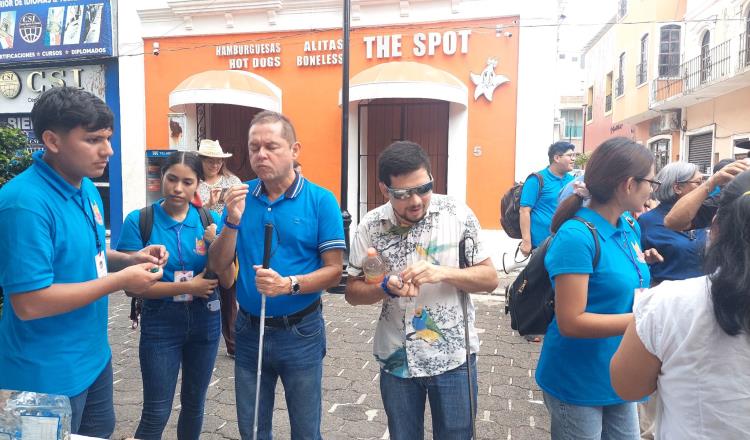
pixel 539 198
pixel 56 271
pixel 306 258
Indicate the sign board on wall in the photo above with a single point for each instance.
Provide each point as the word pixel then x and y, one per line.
pixel 41 30
pixel 23 123
pixel 20 88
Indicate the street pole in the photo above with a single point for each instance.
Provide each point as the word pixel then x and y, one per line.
pixel 345 129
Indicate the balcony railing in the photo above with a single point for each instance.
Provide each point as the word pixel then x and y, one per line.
pixel 619 86
pixel 707 67
pixel 744 57
pixel 641 74
pixel 695 73
pixel 608 103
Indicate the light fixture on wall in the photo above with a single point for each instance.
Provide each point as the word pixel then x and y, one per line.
pixel 684 125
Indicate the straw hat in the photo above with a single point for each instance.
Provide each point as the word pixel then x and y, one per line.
pixel 210 148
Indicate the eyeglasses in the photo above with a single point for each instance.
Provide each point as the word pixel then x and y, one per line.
pixel 403 194
pixel 655 184
pixel 697 181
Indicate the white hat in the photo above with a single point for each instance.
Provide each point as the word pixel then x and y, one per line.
pixel 210 148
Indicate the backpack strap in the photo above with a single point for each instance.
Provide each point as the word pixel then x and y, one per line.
pixel 592 228
pixel 206 218
pixel 540 178
pixel 146 223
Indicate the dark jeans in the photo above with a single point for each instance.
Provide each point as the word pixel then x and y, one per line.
pixel 228 316
pixel 294 354
pixel 404 403
pixel 174 334
pixel 93 410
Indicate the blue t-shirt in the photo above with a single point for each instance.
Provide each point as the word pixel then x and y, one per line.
pixel 682 251
pixel 576 370
pixel 48 237
pixel 307 222
pixel 184 240
pixel 542 205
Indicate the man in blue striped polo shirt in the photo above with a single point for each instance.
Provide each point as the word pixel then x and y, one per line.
pixel 306 257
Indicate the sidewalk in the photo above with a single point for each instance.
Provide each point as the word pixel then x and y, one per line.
pixel 510 403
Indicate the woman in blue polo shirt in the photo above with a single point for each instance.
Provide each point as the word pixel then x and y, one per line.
pixel 682 250
pixel 593 304
pixel 180 322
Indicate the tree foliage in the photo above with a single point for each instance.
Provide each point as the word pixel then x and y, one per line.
pixel 14 154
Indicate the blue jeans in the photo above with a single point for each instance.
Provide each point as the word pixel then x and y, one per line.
pixel 294 354
pixel 404 400
pixel 174 333
pixel 93 412
pixel 575 422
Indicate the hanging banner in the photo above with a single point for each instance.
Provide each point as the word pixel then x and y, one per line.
pixel 41 30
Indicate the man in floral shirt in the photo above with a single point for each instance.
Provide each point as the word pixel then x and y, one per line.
pixel 419 341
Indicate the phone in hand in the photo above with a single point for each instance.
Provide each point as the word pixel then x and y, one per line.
pixel 222 194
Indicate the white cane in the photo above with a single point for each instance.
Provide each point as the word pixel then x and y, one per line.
pixel 267 238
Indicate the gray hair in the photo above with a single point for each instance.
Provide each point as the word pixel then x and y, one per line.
pixel 670 175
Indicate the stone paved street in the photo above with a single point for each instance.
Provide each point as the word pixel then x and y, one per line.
pixel 510 404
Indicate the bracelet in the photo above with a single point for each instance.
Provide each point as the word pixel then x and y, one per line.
pixel 384 286
pixel 230 225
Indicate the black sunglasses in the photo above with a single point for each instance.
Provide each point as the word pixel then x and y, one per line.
pixel 403 194
pixel 655 184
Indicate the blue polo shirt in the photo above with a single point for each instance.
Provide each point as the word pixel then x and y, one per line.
pixel 47 237
pixel 576 370
pixel 307 222
pixel 183 240
pixel 682 251
pixel 544 204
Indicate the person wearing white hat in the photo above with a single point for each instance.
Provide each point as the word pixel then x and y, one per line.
pixel 216 180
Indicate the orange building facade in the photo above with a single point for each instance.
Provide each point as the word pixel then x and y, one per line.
pixel 451 86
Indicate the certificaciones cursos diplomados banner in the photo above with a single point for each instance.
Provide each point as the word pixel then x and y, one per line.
pixel 40 30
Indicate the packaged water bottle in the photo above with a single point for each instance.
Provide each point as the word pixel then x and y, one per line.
pixel 37 416
pixel 374 267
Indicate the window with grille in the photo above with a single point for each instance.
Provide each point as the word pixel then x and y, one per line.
pixel 620 86
pixel 573 123
pixel 669 51
pixel 641 70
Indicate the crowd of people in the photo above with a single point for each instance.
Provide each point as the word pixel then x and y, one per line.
pixel 652 304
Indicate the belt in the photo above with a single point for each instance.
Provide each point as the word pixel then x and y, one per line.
pixel 284 320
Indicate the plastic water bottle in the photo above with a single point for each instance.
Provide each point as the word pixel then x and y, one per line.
pixel 374 267
pixel 27 415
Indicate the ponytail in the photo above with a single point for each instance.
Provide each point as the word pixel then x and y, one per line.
pixel 566 210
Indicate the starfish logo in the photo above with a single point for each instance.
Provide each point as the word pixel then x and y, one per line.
pixel 487 81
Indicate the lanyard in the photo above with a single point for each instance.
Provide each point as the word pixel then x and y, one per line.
pixel 179 247
pixel 631 256
pixel 91 222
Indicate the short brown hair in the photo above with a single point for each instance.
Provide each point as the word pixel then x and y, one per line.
pixel 270 117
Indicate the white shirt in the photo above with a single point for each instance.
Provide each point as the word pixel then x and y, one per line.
pixel 704 383
pixel 422 336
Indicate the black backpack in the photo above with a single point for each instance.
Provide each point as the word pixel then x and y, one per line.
pixel 145 225
pixel 530 299
pixel 510 207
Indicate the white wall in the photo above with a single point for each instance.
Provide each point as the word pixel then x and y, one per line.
pixel 132 105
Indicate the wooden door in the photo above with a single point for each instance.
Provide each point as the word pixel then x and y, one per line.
pixel 230 124
pixel 422 121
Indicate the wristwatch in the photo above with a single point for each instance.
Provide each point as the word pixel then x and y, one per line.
pixel 294 282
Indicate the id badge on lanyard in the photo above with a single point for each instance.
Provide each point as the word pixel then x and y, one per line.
pixel 101 264
pixel 183 276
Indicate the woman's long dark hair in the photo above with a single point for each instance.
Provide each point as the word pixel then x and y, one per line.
pixel 613 162
pixel 188 158
pixel 728 257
